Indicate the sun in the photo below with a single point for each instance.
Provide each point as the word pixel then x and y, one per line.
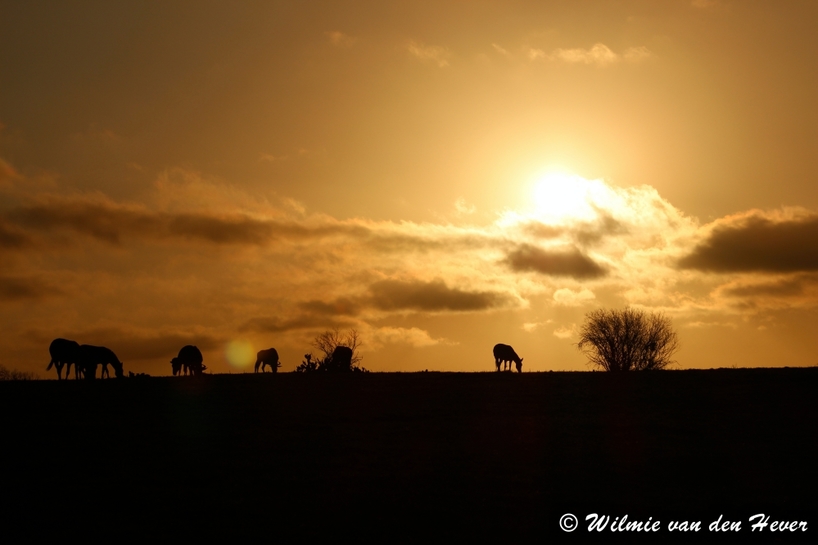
pixel 560 197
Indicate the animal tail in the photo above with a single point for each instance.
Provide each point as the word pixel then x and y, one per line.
pixel 50 365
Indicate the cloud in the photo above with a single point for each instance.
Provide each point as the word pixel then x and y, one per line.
pixel 582 232
pixel 569 262
pixel 400 295
pixel 535 54
pixel 7 174
pixel 339 39
pixel 500 50
pixel 533 326
pixel 778 288
pixel 111 222
pixel 25 288
pixel 294 323
pixel 463 208
pixel 756 293
pixel 563 332
pixel 599 54
pixel 270 158
pixel 785 241
pixel 392 295
pixel 637 54
pixel 412 336
pixel 436 54
pixel 343 306
pixel 13 238
pixel 569 298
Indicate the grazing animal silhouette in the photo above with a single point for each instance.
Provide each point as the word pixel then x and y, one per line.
pixel 89 357
pixel 504 354
pixel 63 352
pixel 189 358
pixel 178 365
pixel 341 359
pixel 267 357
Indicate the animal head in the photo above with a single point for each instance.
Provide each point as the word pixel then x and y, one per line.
pixel 520 365
pixel 176 365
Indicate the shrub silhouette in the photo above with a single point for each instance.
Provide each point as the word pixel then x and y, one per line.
pixel 14 374
pixel 628 340
pixel 340 354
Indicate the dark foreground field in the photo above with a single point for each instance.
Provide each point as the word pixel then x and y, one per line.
pixel 409 457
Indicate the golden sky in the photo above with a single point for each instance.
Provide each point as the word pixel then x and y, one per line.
pixel 442 176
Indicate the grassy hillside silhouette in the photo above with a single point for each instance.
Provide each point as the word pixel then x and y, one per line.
pixel 394 456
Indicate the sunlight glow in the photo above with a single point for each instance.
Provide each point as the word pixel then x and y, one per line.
pixel 240 354
pixel 560 197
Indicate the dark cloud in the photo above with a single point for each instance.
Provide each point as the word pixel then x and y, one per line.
pixel 757 243
pixel 605 226
pixel 793 286
pixel 237 230
pixel 403 243
pixel 111 223
pixel 20 288
pixel 304 321
pixel 12 238
pixel 543 230
pixel 584 233
pixel 429 296
pixel 342 306
pixel 102 221
pixel 555 263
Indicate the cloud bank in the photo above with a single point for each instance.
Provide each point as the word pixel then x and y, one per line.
pixel 759 242
pixel 599 55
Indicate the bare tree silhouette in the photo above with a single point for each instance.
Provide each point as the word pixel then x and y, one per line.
pixel 628 340
pixel 340 353
pixel 505 355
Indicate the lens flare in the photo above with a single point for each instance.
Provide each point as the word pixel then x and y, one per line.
pixel 239 354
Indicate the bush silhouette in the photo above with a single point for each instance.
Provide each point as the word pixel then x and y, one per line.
pixel 628 340
pixel 14 374
pixel 340 354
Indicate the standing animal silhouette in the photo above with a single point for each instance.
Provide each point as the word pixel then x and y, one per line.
pixel 63 352
pixel 341 359
pixel 267 357
pixel 89 357
pixel 504 354
pixel 189 359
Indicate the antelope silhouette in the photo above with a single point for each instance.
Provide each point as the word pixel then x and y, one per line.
pixel 63 352
pixel 190 359
pixel 90 357
pixel 267 357
pixel 504 354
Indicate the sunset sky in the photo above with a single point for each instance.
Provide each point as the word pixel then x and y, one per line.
pixel 441 176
